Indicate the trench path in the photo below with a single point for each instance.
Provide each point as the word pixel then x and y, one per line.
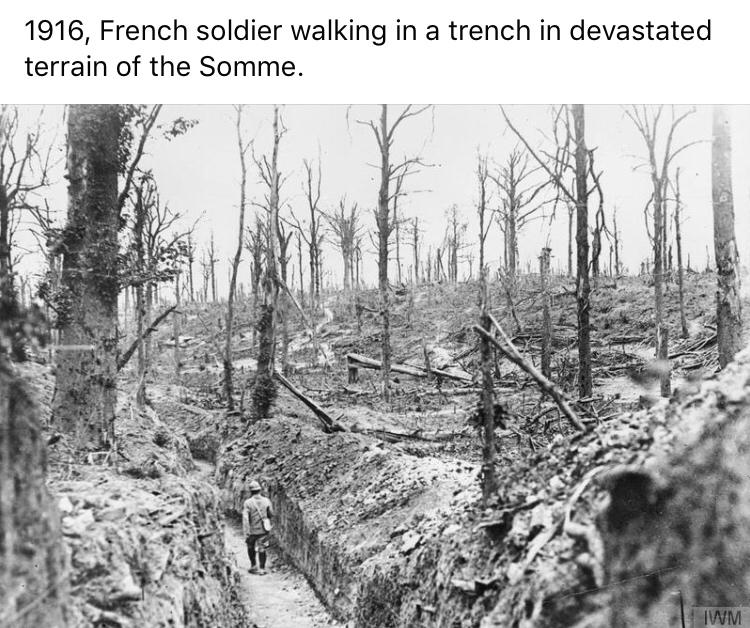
pixel 280 599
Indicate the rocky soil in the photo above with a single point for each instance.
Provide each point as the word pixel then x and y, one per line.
pixel 147 552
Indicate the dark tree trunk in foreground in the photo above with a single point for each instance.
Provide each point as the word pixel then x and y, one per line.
pixel 33 573
pixel 728 310
pixel 85 394
pixel 583 288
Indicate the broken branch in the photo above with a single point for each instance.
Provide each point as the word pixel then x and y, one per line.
pixel 510 352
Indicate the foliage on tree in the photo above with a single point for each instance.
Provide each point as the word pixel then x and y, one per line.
pixel 85 392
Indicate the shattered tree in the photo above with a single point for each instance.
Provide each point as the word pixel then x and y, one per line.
pixel 265 388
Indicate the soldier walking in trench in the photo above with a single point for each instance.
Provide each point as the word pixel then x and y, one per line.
pixel 257 513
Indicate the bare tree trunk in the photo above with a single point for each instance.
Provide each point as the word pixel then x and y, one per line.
pixel 191 261
pixel 228 363
pixel 301 272
pixel 680 269
pixel 147 315
pixel 140 302
pixel 358 264
pixel 439 268
pixel 318 275
pixel 384 230
pixel 546 318
pixel 489 478
pixel 313 276
pixel 728 306
pixel 512 248
pixel 7 287
pixel 596 249
pixel 125 310
pixel 33 571
pixel 415 244
pixel 212 261
pixel 282 303
pixel 397 224
pixel 454 248
pixel 616 237
pixel 661 329
pixel 176 328
pixel 312 192
pixel 482 176
pixel 583 288
pixel 570 240
pixel 85 395
pixel 264 392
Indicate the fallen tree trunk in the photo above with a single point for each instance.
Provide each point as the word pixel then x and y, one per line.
pixel 364 362
pixel 329 424
pixel 449 392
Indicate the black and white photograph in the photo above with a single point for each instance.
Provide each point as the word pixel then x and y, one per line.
pixel 374 366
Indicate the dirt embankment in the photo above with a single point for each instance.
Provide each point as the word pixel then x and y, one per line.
pixel 147 552
pixel 342 500
pixel 144 541
pixel 391 540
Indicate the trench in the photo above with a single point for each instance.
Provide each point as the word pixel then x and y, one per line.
pixel 280 599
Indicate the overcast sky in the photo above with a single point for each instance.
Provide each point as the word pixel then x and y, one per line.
pixel 198 174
